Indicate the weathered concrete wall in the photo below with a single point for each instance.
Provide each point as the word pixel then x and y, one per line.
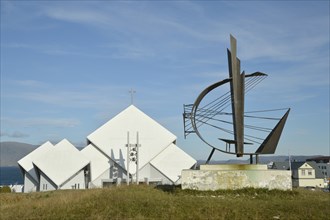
pixel 236 179
pixel 233 167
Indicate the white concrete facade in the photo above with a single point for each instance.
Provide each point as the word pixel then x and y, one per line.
pixel 78 181
pixel 160 160
pixel 62 167
pixel 31 180
pixel 30 184
pixel 104 160
pixel 45 184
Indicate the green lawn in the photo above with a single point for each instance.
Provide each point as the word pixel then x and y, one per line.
pixel 146 202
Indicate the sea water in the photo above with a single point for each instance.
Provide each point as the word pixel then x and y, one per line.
pixel 10 175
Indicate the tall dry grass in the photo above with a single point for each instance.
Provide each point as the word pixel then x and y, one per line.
pixel 145 202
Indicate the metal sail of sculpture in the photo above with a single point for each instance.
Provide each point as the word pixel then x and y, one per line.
pixel 270 143
pixel 237 96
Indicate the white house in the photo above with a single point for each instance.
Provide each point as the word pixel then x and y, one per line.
pixel 306 174
pixel 62 167
pixel 31 181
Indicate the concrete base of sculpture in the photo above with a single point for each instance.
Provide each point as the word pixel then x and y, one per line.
pixel 235 176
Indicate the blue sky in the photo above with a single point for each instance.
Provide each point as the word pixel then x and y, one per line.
pixel 67 66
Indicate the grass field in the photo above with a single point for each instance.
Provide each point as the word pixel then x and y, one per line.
pixel 146 202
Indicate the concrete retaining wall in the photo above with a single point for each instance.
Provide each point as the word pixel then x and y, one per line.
pixel 213 179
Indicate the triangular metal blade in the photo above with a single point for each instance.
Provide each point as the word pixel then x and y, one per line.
pixel 270 143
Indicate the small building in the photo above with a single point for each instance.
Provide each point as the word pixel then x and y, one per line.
pixel 16 188
pixel 304 174
pixel 31 181
pixel 323 164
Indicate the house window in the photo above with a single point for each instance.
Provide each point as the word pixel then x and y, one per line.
pixel 310 173
pixel 303 172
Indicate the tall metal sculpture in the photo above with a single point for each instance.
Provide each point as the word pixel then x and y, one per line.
pixel 208 116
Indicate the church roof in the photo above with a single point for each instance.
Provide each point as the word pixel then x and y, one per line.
pixel 111 138
pixel 99 162
pixel 172 161
pixel 61 162
pixel 26 162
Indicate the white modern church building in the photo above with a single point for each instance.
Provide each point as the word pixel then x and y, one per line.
pixel 129 147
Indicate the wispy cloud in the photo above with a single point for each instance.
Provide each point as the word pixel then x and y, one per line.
pixel 129 50
pixel 90 96
pixel 29 83
pixel 78 15
pixel 30 122
pixel 57 50
pixel 15 134
pixel 102 100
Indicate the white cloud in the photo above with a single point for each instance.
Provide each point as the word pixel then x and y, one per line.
pixel 79 15
pixel 15 134
pixel 31 122
pixel 129 50
pixel 29 83
pixel 71 99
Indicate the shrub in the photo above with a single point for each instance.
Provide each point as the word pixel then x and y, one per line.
pixel 5 189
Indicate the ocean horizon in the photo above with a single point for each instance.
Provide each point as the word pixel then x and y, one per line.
pixel 10 175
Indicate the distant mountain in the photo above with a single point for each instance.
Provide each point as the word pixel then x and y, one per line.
pixel 262 159
pixel 11 152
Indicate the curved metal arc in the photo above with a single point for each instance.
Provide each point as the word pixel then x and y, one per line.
pixel 200 98
pixel 195 106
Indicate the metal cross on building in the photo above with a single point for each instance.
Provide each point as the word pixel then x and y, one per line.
pixel 132 95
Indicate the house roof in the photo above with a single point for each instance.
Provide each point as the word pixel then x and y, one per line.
pixel 111 138
pixel 171 161
pixel 61 162
pixel 26 162
pixel 281 165
pixel 99 162
pixel 296 165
